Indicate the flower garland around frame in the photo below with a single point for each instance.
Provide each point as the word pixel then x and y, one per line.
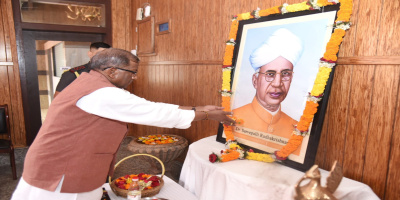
pixel 327 62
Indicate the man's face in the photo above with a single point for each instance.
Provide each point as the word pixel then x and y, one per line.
pixel 271 93
pixel 122 78
pixel 94 51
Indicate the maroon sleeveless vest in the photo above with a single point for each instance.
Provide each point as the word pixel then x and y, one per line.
pixel 74 143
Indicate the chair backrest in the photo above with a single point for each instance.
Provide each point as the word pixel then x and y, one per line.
pixel 4 121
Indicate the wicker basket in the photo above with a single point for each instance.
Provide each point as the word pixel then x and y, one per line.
pixel 145 193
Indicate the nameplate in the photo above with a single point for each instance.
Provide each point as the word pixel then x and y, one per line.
pixel 258 136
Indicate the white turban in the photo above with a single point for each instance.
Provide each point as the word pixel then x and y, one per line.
pixel 281 43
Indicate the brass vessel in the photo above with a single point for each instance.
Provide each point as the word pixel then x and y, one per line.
pixel 313 190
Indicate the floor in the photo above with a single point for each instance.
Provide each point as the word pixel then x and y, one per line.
pixel 8 185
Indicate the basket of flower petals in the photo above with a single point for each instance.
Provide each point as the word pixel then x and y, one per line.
pixel 157 139
pixel 149 184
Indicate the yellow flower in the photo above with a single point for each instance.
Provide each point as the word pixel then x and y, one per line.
pixel 259 157
pixel 298 7
pixel 226 80
pixel 320 81
pixel 245 16
pixel 234 146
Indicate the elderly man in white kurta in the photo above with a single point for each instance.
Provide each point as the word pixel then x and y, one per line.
pixel 74 150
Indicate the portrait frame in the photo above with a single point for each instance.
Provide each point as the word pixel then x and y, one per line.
pixel 241 48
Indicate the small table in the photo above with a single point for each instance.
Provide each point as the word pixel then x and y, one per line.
pixel 171 190
pixel 248 179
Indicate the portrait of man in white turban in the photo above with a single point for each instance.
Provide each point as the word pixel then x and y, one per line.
pixel 275 65
pixel 273 62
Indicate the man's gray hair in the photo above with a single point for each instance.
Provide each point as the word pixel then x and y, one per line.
pixel 112 57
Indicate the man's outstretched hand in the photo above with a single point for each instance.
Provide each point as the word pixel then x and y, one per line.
pixel 208 108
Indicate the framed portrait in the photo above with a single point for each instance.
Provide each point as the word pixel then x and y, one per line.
pixel 274 67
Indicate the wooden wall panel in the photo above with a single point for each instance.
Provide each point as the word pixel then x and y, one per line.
pixel 358 121
pixel 337 121
pixel 393 176
pixel 121 24
pixel 9 75
pixel 389 46
pixel 358 125
pixel 385 92
pixel 362 142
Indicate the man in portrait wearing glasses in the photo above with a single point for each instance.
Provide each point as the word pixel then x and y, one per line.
pixel 273 63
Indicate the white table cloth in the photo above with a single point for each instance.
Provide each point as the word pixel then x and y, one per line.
pixel 247 179
pixel 171 191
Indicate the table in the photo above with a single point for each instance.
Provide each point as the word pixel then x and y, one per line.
pixel 248 179
pixel 171 190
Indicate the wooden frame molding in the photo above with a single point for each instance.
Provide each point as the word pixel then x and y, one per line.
pixel 68 28
pixel 6 63
pixel 183 62
pixel 158 32
pixel 356 60
pixel 369 60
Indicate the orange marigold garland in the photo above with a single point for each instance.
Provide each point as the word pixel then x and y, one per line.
pixel 229 53
pixel 327 62
pixel 234 29
pixel 333 45
pixel 270 11
pixel 308 115
pixel 293 143
pixel 326 2
pixel 229 155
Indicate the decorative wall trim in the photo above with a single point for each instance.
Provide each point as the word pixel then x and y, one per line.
pixel 184 62
pixel 6 63
pixel 369 60
pixel 355 60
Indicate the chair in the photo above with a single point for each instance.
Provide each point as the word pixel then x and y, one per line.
pixel 6 145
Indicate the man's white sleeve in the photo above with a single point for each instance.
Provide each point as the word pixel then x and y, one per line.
pixel 119 104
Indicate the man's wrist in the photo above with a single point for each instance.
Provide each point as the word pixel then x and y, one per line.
pixel 206 118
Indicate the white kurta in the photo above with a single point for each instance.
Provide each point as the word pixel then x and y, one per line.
pixel 117 104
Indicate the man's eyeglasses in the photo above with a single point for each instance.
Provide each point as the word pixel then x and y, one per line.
pixel 286 75
pixel 133 72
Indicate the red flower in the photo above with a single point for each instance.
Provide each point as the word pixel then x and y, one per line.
pixel 121 186
pixel 329 61
pixel 153 178
pixel 120 183
pixel 250 150
pixel 155 184
pixel 213 158
pixel 140 176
